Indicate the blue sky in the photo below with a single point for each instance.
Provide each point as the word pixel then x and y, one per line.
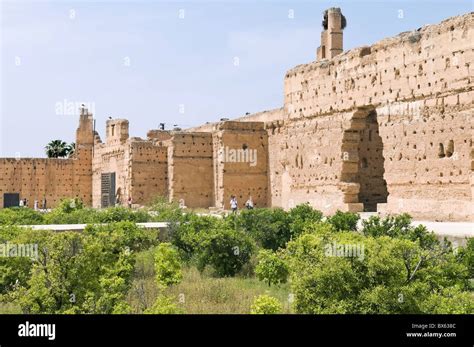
pixel 139 60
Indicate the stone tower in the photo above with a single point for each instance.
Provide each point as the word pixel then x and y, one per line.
pixel 331 37
pixel 82 187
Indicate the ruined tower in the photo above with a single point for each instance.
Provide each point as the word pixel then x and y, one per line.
pixel 82 172
pixel 331 37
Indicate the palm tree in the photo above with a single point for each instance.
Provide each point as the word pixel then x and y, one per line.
pixel 57 149
pixel 71 149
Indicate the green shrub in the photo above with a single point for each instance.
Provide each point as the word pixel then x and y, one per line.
pixel 270 228
pixel 69 205
pixel 344 221
pixel 163 305
pixel 265 304
pixel 167 265
pixel 399 226
pixel 466 255
pixel 74 273
pixel 70 211
pixel 389 276
pixel 124 235
pixel 78 216
pixel 164 211
pixel 20 216
pixel 301 216
pixel 120 213
pixel 224 249
pixel 271 268
pixel 186 235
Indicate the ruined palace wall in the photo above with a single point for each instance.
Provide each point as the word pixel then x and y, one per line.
pixel 36 179
pixel 306 162
pixel 52 179
pixel 190 169
pixel 421 86
pixel 242 176
pixel 428 161
pixel 149 170
pixel 264 116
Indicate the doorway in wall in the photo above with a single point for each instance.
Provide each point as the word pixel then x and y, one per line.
pixel 107 189
pixel 11 200
pixel 373 187
pixel 363 159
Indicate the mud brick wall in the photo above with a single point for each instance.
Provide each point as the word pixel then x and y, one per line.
pixel 190 169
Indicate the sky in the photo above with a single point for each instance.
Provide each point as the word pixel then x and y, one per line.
pixel 178 63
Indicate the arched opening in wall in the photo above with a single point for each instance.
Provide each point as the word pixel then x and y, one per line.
pixel 373 188
pixel 363 160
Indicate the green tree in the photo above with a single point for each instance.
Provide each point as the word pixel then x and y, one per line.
pixel 265 304
pixel 269 227
pixel 224 249
pixel 399 226
pixel 71 149
pixel 344 221
pixel 21 216
pixel 86 272
pixel 466 255
pixel 390 275
pixel 167 265
pixel 186 235
pixel 302 215
pixel 271 268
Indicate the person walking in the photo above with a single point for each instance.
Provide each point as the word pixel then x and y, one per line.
pixel 233 204
pixel 129 202
pixel 22 203
pixel 35 205
pixel 249 204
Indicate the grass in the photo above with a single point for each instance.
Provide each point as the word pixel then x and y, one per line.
pixel 200 293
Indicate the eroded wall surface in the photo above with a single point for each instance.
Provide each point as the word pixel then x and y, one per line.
pixel 241 163
pixel 191 170
pixel 419 88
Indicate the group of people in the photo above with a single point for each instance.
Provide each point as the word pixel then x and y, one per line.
pixel 234 204
pixel 24 203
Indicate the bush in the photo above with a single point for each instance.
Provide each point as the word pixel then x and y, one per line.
pixel 163 305
pixel 124 235
pixel 70 212
pixel 186 235
pixel 74 273
pixel 380 275
pixel 466 255
pixel 167 265
pixel 344 221
pixel 271 268
pixel 20 216
pixel 300 216
pixel 399 227
pixel 69 205
pixel 164 211
pixel 120 213
pixel 265 304
pixel 224 249
pixel 269 227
